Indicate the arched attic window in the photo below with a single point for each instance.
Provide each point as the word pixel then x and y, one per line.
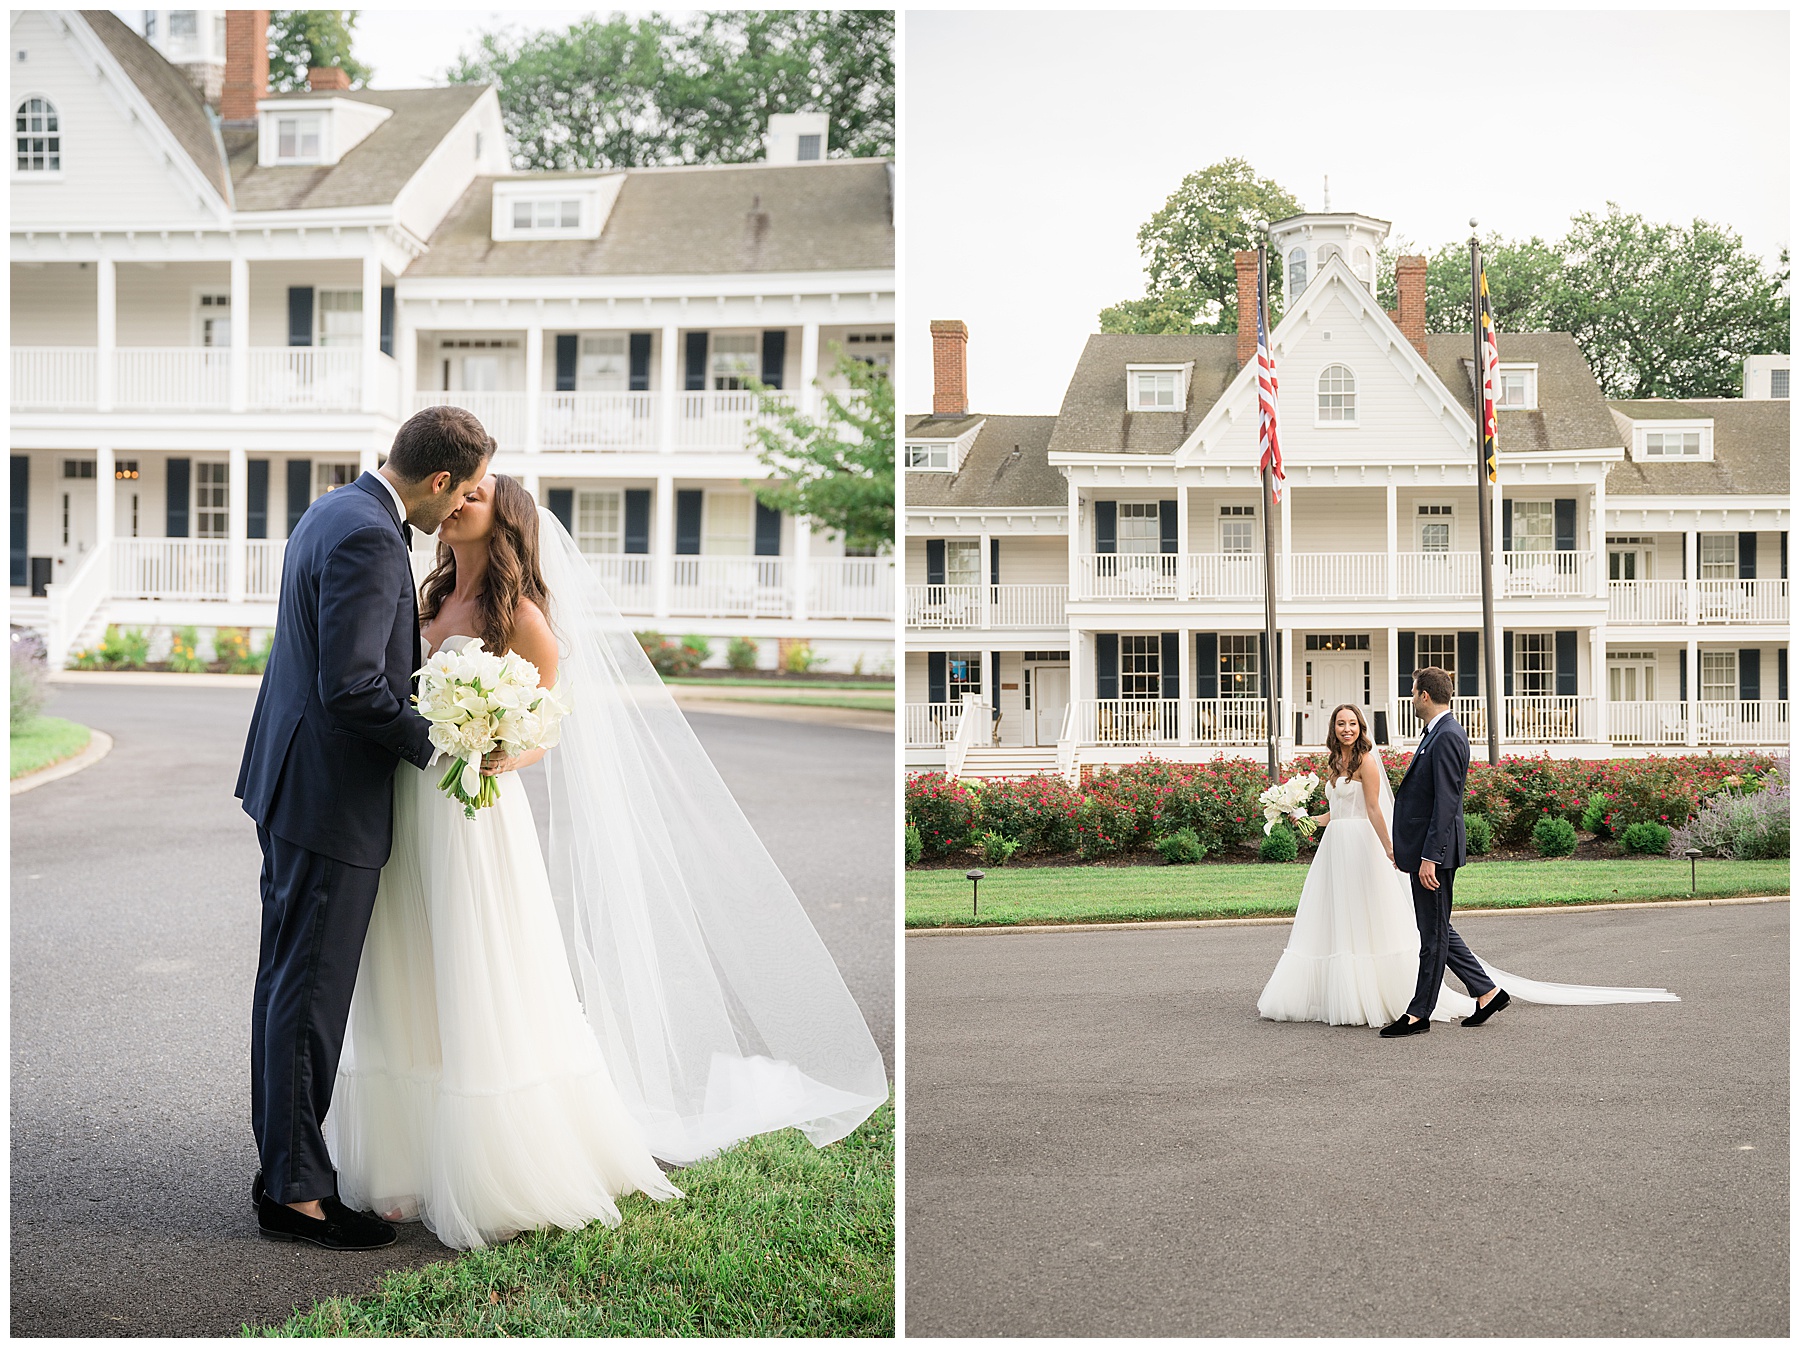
pixel 1337 395
pixel 37 137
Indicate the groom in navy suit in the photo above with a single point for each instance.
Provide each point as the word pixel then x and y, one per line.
pixel 333 720
pixel 1429 844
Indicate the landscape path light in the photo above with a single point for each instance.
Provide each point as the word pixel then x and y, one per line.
pixel 1693 856
pixel 975 878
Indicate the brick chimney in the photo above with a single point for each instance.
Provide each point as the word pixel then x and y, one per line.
pixel 246 64
pixel 1246 307
pixel 1409 283
pixel 320 78
pixel 949 367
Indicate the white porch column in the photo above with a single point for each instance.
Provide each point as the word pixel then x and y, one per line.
pixel 529 481
pixel 671 394
pixel 1393 685
pixel 1076 589
pixel 106 273
pixel 534 394
pixel 1597 650
pixel 1599 541
pixel 406 351
pixel 809 368
pixel 1690 546
pixel 1182 548
pixel 1184 664
pixel 801 584
pixel 237 522
pixel 371 332
pixel 368 459
pixel 1497 563
pixel 1077 676
pixel 1286 578
pixel 1393 522
pixel 240 333
pixel 662 548
pixel 984 577
pixel 105 496
pixel 1693 689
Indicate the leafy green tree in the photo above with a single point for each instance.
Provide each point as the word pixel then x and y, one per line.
pixel 1522 280
pixel 837 470
pixel 621 92
pixel 299 38
pixel 1187 248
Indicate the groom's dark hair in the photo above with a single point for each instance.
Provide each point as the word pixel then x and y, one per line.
pixel 440 440
pixel 1435 684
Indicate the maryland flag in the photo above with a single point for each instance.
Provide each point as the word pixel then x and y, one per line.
pixel 1490 363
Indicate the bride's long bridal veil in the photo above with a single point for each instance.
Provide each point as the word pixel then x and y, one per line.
pixel 718 1008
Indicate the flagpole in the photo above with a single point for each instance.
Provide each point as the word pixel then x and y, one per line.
pixel 1484 514
pixel 1271 658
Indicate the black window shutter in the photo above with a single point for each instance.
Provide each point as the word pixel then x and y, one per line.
pixel 178 498
pixel 387 320
pixel 299 491
pixel 300 315
pixel 768 531
pixel 1106 526
pixel 561 501
pixel 1781 673
pixel 993 561
pixel 1750 674
pixel 1506 654
pixel 637 520
pixel 1506 527
pixel 938 678
pixel 1565 524
pixel 1171 537
pixel 1206 664
pixel 687 523
pixel 1106 664
pixel 934 561
pixel 1403 665
pixel 1171 665
pixel 774 356
pixel 566 343
pixel 1468 664
pixel 640 362
pixel 696 362
pixel 1266 664
pixel 1681 665
pixel 21 519
pixel 1568 679
pixel 1784 554
pixel 1747 555
pixel 256 499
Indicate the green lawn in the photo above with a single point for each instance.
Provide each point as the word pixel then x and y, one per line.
pixel 46 740
pixel 937 898
pixel 775 1237
pixel 796 684
pixel 847 703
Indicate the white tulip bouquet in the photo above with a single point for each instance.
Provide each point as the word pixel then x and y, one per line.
pixel 1289 798
pixel 477 702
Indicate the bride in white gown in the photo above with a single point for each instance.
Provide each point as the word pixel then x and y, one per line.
pixel 525 1040
pixel 1352 957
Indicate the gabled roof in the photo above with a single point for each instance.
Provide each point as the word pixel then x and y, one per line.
pixel 1571 411
pixel 833 215
pixel 1006 467
pixel 374 171
pixel 175 101
pixel 1094 417
pixel 1750 449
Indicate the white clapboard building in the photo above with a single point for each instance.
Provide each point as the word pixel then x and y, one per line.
pixel 1086 588
pixel 221 311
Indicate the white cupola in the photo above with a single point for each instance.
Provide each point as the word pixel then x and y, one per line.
pixel 1301 243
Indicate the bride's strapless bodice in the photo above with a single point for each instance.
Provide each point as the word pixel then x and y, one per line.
pixel 1345 799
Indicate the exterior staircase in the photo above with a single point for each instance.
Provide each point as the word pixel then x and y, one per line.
pixel 1008 761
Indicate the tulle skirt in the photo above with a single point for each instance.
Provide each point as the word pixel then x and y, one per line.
pixel 471 1093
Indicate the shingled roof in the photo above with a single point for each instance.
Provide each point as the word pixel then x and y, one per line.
pixel 833 215
pixel 1094 417
pixel 1750 449
pixel 1006 468
pixel 374 170
pixel 176 103
pixel 1571 411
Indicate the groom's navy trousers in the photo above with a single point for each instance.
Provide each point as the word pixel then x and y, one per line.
pixel 1440 946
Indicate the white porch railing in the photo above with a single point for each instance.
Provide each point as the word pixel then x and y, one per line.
pixel 943 606
pixel 930 724
pixel 1340 575
pixel 54 378
pixel 722 587
pixel 1562 573
pixel 1008 606
pixel 1741 601
pixel 1764 722
pixel 1231 720
pixel 576 421
pixel 719 420
pixel 1128 575
pixel 851 587
pixel 169 568
pixel 262 567
pixel 1225 575
pixel 1470 711
pixel 1439 575
pixel 1646 601
pixel 1548 720
pixel 72 603
pixel 1030 605
pixel 973 721
pixel 627 578
pixel 175 377
pixel 309 378
pixel 1128 720
pixel 502 415
pixel 1647 722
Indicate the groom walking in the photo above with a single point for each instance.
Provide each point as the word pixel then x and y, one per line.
pixel 333 720
pixel 1429 844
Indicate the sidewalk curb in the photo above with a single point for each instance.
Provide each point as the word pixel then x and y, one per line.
pixel 1179 923
pixel 880 722
pixel 99 746
pixel 154 677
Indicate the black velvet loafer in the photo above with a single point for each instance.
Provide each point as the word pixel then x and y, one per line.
pixel 1481 1014
pixel 1403 1027
pixel 349 1231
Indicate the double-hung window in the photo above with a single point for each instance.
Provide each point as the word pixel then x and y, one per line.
pixel 1240 666
pixel 1534 663
pixel 599 524
pixel 1140 666
pixel 212 499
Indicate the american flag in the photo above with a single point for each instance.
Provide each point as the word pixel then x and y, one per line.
pixel 1267 386
pixel 1490 362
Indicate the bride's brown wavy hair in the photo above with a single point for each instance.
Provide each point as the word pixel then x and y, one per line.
pixel 1344 761
pixel 513 573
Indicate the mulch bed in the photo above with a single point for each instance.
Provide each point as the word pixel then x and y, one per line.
pixel 1587 848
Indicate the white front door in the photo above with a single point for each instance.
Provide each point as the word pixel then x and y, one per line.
pixel 76 504
pixel 1335 680
pixel 1049 701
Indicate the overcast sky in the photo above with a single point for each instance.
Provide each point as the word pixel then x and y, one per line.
pixel 1036 144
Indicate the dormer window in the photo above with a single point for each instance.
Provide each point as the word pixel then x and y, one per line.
pixel 809 148
pixel 562 208
pixel 1516 388
pixel 930 455
pixel 1671 444
pixel 1157 388
pixel 1660 441
pixel 556 213
pixel 296 138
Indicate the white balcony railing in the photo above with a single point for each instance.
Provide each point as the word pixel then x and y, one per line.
pixel 1029 605
pixel 1225 575
pixel 502 415
pixel 627 578
pixel 930 724
pixel 585 421
pixel 1013 606
pixel 1128 720
pixel 262 567
pixel 1763 722
pixel 1128 575
pixel 943 605
pixel 169 568
pixel 54 378
pixel 1231 720
pixel 173 377
pixel 1647 722
pixel 305 378
pixel 721 420
pixel 1439 575
pixel 727 587
pixel 851 587
pixel 1564 573
pixel 1340 575
pixel 1741 601
pixel 1646 601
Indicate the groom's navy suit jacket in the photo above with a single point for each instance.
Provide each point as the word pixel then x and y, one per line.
pixel 1428 815
pixel 334 716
